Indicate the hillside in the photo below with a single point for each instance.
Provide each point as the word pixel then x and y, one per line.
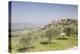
pixel 23 26
pixel 61 22
pixel 56 35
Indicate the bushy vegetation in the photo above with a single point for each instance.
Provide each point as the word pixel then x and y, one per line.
pixel 54 36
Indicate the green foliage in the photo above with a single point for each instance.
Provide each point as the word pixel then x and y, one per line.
pixel 68 30
pixel 44 42
pixel 49 34
pixel 37 40
pixel 25 41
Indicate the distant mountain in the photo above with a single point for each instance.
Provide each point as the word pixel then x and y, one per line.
pixel 23 26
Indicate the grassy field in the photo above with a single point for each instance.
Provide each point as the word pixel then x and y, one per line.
pixel 50 37
pixel 56 44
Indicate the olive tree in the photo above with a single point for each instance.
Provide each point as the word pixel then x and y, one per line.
pixel 68 31
pixel 49 34
pixel 25 41
pixel 52 33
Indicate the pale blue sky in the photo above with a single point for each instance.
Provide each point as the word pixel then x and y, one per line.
pixel 41 13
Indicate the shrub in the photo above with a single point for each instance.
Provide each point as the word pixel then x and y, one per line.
pixel 44 42
pixel 25 42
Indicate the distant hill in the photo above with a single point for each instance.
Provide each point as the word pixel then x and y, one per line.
pixel 23 26
pixel 61 22
pixel 57 25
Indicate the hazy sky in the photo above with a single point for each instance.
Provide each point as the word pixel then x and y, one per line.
pixel 41 13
